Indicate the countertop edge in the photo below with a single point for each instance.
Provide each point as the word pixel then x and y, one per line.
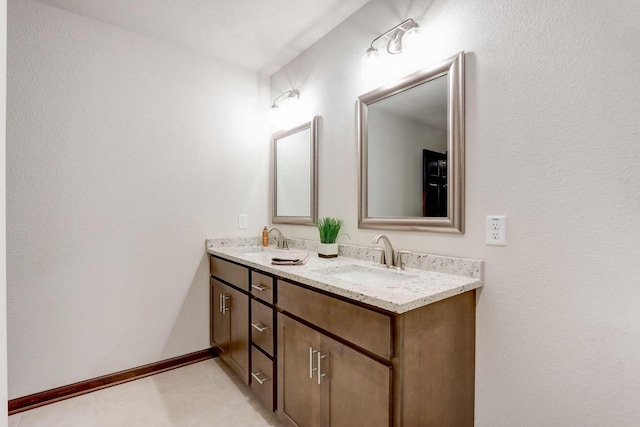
pixel 285 272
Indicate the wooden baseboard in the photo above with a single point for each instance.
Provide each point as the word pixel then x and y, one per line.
pixel 72 390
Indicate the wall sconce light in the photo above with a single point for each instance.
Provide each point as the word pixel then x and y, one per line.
pixel 400 37
pixel 287 97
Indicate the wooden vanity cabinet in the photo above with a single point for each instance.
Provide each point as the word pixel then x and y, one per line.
pixel 425 379
pixel 230 336
pixel 263 352
pixel 242 327
pixel 323 382
pixel 229 315
pixel 325 360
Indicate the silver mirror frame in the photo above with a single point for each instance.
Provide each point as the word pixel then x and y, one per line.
pixel 313 191
pixel 454 223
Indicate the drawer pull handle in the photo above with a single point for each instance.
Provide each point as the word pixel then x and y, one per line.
pixel 222 306
pixel 225 299
pixel 259 287
pixel 311 368
pixel 261 327
pixel 260 377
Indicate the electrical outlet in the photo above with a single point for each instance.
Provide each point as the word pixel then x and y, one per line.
pixel 496 230
pixel 242 221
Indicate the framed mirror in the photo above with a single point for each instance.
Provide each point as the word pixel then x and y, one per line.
pixel 295 176
pixel 411 148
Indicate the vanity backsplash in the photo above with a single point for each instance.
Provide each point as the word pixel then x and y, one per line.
pixel 441 264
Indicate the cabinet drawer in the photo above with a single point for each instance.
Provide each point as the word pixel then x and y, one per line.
pixel 262 326
pixel 230 272
pixel 262 378
pixel 365 328
pixel 262 287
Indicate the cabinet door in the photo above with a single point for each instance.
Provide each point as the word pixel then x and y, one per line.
pixel 219 320
pixel 237 309
pixel 230 328
pixel 356 390
pixel 298 389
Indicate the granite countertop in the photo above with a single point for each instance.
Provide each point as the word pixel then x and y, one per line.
pixel 362 279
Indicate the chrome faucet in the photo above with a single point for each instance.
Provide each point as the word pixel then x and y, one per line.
pixel 390 258
pixel 281 241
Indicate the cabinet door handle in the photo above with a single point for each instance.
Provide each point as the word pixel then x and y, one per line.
pixel 220 303
pixel 260 377
pixel 225 299
pixel 259 287
pixel 320 374
pixel 311 368
pixel 261 327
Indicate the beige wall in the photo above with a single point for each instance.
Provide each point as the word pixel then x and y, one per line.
pixel 123 154
pixel 552 128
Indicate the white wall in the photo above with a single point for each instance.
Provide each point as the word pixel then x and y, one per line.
pixel 552 129
pixel 3 212
pixel 123 154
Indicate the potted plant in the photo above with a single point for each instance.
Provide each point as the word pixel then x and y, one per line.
pixel 329 229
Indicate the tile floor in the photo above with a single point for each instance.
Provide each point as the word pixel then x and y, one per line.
pixel 199 395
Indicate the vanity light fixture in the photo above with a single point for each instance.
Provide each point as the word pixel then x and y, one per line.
pixel 400 35
pixel 288 96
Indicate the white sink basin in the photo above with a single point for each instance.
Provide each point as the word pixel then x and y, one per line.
pixel 365 275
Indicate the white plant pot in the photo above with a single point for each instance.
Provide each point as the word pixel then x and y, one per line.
pixel 327 250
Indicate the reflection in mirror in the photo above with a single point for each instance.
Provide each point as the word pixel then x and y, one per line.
pixel 295 176
pixel 293 179
pixel 407 140
pixel 412 151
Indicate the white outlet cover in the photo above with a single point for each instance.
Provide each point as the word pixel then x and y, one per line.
pixel 496 230
pixel 242 221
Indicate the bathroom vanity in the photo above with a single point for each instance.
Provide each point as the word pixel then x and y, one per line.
pixel 346 341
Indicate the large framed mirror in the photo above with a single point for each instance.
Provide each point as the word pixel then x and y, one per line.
pixel 295 176
pixel 411 148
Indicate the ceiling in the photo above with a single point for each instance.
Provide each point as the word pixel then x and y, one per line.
pixel 261 35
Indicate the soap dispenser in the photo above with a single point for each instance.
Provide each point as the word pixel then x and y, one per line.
pixel 265 236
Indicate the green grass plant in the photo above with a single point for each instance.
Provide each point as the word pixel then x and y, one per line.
pixel 329 229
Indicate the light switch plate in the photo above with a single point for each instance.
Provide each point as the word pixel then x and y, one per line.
pixel 242 221
pixel 496 230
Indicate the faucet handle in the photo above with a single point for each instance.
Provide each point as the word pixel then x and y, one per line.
pixel 285 243
pixel 399 254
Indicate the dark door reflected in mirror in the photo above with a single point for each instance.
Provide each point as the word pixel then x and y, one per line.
pixel 434 183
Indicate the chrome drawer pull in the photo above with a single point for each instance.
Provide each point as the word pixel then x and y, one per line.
pixel 259 287
pixel 311 368
pixel 261 327
pixel 259 377
pixel 225 307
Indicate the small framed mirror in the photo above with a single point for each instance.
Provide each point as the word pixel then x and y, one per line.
pixel 411 146
pixel 295 176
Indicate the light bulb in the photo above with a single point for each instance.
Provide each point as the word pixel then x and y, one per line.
pixel 372 55
pixel 413 40
pixel 371 61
